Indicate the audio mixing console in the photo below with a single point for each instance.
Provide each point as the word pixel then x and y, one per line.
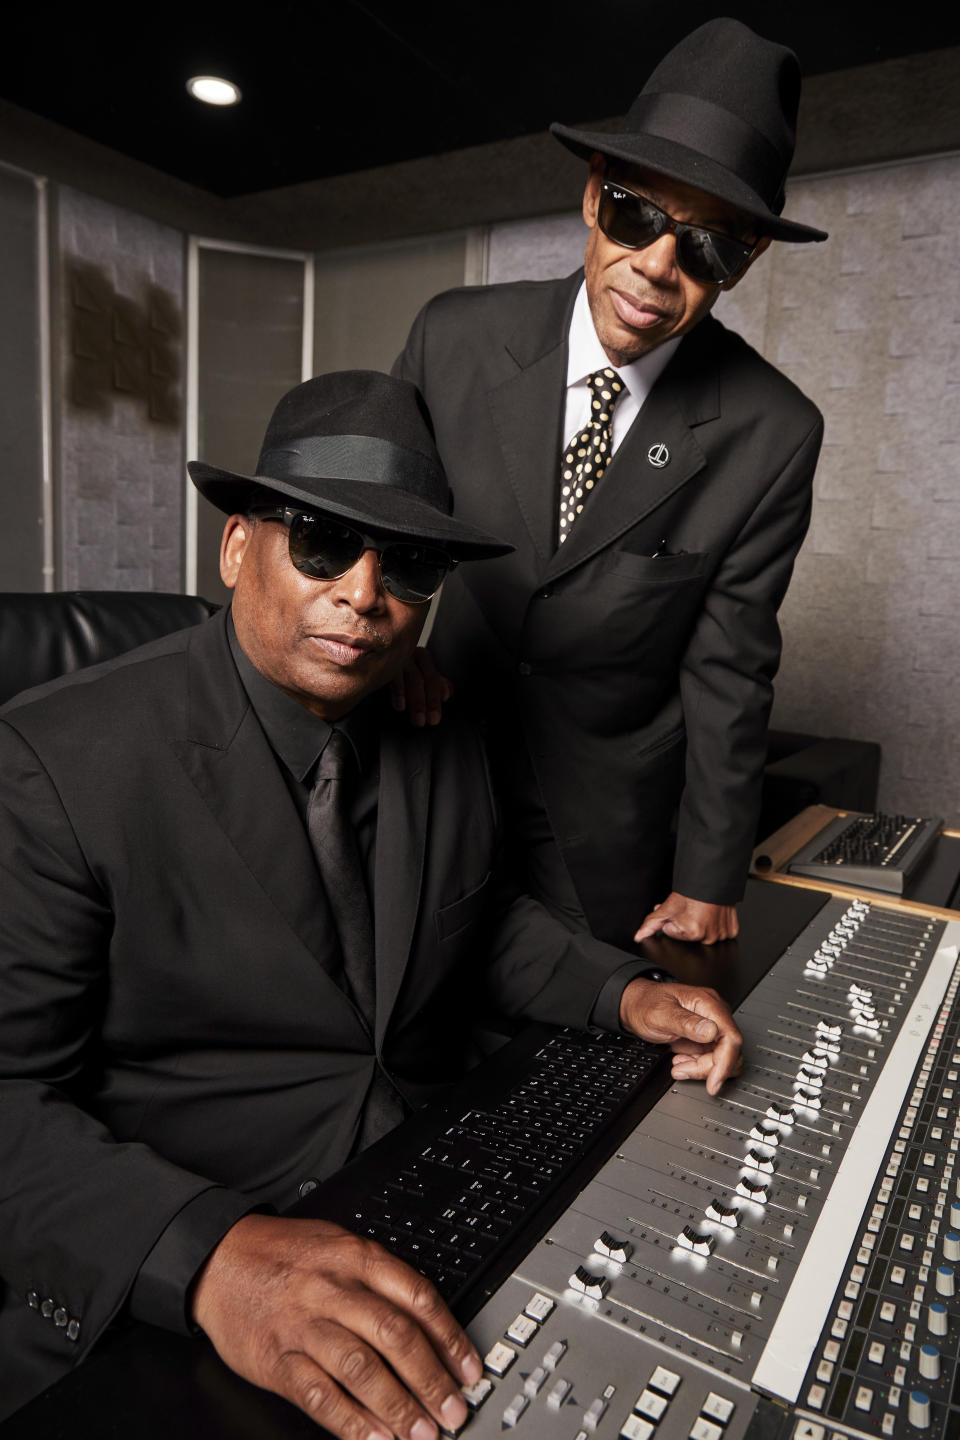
pixel 779 1260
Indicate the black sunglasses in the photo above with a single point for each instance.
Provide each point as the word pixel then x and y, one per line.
pixel 325 549
pixel 635 222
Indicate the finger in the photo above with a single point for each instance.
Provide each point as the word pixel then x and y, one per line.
pixel 423 1314
pixel 412 1359
pixel 416 697
pixel 651 925
pixel 299 1379
pixel 727 1061
pixel 684 930
pixel 437 688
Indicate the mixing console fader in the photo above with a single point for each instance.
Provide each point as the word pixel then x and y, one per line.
pixel 781 1260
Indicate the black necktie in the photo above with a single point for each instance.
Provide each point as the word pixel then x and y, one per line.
pixel 590 450
pixel 338 857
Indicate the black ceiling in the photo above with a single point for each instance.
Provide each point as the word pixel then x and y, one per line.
pixel 336 86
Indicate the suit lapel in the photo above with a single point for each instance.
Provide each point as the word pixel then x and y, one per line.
pixel 633 485
pixel 527 410
pixel 226 755
pixel 405 768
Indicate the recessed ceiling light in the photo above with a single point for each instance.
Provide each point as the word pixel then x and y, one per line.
pixel 212 90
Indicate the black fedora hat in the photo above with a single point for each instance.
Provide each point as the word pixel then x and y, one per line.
pixel 360 445
pixel 720 113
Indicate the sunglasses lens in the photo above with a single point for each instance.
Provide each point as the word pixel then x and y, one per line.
pixel 323 549
pixel 709 257
pixel 413 572
pixel 628 219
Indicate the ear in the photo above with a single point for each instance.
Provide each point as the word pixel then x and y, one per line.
pixel 758 249
pixel 591 195
pixel 233 544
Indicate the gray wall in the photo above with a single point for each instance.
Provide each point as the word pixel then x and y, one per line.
pixel 119 377
pixel 868 324
pixel 21 411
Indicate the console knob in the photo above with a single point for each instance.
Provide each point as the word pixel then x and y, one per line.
pixel 918 1410
pixel 930 1362
pixel 951 1245
pixel 955 1211
pixel 946 1284
pixel 937 1318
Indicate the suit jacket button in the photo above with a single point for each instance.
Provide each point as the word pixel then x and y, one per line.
pixel 307 1187
pixel 47 1308
pixel 545 593
pixel 60 1317
pixel 33 1300
pixel 73 1330
pixel 525 668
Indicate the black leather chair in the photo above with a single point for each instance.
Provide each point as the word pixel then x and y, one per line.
pixel 46 635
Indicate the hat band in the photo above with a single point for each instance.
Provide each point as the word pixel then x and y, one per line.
pixel 713 132
pixel 356 457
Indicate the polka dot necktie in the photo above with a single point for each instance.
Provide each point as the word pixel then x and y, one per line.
pixel 588 453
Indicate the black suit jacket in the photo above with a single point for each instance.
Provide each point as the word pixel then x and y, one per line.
pixel 630 679
pixel 165 1023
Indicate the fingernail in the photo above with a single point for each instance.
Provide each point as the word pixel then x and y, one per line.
pixel 706 1029
pixel 434 717
pixel 417 717
pixel 453 1412
pixel 424 1429
pixel 471 1369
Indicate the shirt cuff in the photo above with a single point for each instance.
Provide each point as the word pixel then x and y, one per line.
pixel 605 1014
pixel 161 1289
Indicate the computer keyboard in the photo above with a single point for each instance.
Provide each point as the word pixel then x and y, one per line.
pixel 448 1206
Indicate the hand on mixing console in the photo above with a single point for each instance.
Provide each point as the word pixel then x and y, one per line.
pixel 693 1021
pixel 362 1343
pixel 681 918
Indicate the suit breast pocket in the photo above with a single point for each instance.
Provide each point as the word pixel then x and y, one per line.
pixel 659 569
pixel 451 919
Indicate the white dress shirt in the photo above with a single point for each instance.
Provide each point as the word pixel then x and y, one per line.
pixel 585 355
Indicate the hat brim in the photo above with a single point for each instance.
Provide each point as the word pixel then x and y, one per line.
pixel 379 507
pixel 680 163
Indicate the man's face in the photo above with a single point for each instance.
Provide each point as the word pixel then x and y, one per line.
pixel 327 643
pixel 640 298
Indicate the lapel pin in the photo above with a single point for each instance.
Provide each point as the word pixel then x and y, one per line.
pixel 658 455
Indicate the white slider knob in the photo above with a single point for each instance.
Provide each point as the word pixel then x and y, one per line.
pixel 593 1286
pixel 695 1240
pixel 816 1057
pixel 951 1245
pixel 613 1249
pixel 766 1134
pixel 807 1075
pixel 751 1191
pixel 721 1214
pixel 937 1318
pixel 763 1163
pixel 918 1410
pixel 781 1114
pixel 955 1211
pixel 832 1032
pixel 929 1362
pixel 946 1283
